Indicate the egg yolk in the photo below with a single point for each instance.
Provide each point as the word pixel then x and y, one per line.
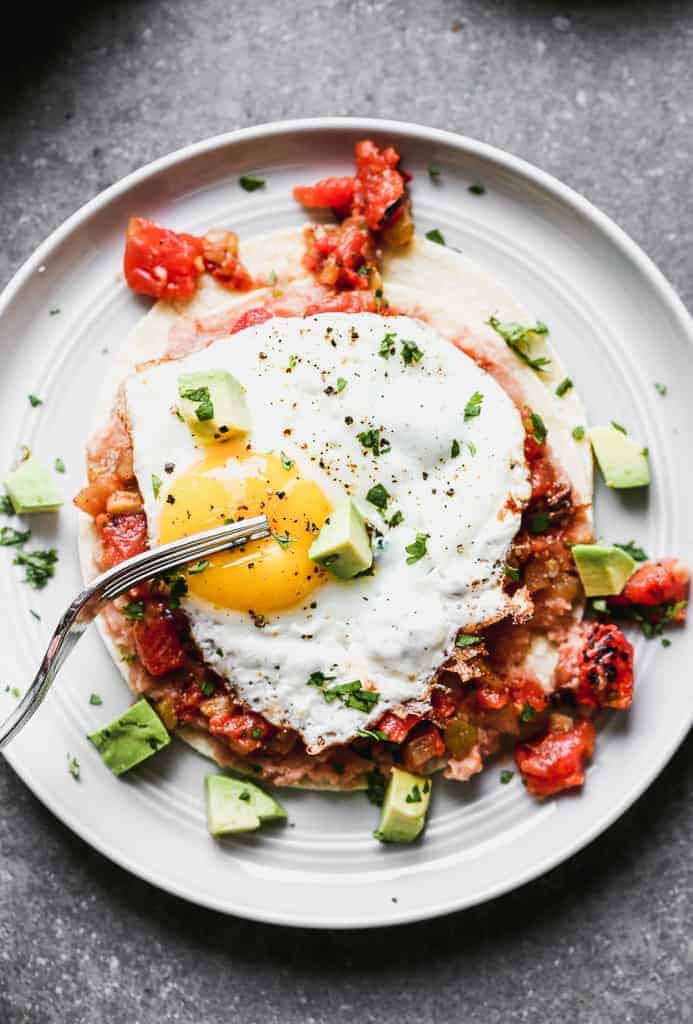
pixel 232 483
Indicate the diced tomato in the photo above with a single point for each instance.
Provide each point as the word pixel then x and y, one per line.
pixel 245 730
pixel 220 255
pixel 161 263
pixel 336 254
pixel 663 582
pixel 491 698
pixel 422 746
pixel 157 643
pixel 375 193
pixel 379 186
pixel 335 192
pixel 397 728
pixel 606 668
pixel 528 692
pixel 557 761
pixel 122 537
pixel 251 318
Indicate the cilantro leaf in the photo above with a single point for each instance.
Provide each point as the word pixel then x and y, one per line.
pixel 467 640
pixel 10 537
pixel 38 566
pixel 519 339
pixel 378 496
pixel 250 182
pixel 473 406
pixel 411 353
pixel 387 345
pixel 417 549
pixel 632 549
pixel 435 236
pixel 565 386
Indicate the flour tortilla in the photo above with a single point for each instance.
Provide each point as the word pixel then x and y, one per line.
pixel 457 298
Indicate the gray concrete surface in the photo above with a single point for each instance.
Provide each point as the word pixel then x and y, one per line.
pixel 600 95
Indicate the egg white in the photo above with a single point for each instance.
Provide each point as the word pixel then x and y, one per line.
pixel 393 629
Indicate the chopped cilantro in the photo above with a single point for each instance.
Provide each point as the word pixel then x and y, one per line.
pixel 200 566
pixel 578 433
pixel 318 679
pixel 372 734
pixel 539 523
pixel 661 389
pixel 10 537
pixel 467 640
pixel 538 427
pixel 73 767
pixel 156 485
pixel 39 566
pixel 341 384
pixel 250 182
pixel 371 439
pixel 411 353
pixel 35 400
pixel 618 426
pixel 284 541
pixel 177 588
pixel 414 795
pixel 477 189
pixel 207 688
pixel 433 172
pixel 417 549
pixel 6 506
pixel 565 386
pixel 511 571
pixel 632 549
pixel 435 236
pixel 378 496
pixel 95 699
pixel 505 776
pixel 53 312
pixel 454 449
pixel 134 611
pixel 352 695
pixel 473 406
pixel 528 713
pixel 244 794
pixel 666 642
pixel 520 338
pixel 286 462
pixel 59 465
pixel 387 345
pixel 395 519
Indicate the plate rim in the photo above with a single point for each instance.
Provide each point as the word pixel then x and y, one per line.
pixel 517 166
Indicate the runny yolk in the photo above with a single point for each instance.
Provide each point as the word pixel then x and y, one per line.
pixel 232 482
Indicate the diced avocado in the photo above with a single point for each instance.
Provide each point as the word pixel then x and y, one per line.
pixel 234 805
pixel 622 461
pixel 343 545
pixel 131 738
pixel 213 405
pixel 603 569
pixel 31 488
pixel 404 809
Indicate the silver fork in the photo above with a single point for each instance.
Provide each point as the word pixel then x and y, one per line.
pixel 87 605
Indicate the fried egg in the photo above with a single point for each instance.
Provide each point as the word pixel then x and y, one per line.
pixel 339 404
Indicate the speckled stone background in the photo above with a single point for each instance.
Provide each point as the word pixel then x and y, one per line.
pixel 598 93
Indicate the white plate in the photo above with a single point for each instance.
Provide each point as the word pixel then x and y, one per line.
pixel 618 326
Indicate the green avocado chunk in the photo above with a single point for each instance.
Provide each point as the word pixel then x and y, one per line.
pixel 622 461
pixel 131 738
pixel 213 405
pixel 404 809
pixel 343 545
pixel 31 488
pixel 234 805
pixel 604 570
